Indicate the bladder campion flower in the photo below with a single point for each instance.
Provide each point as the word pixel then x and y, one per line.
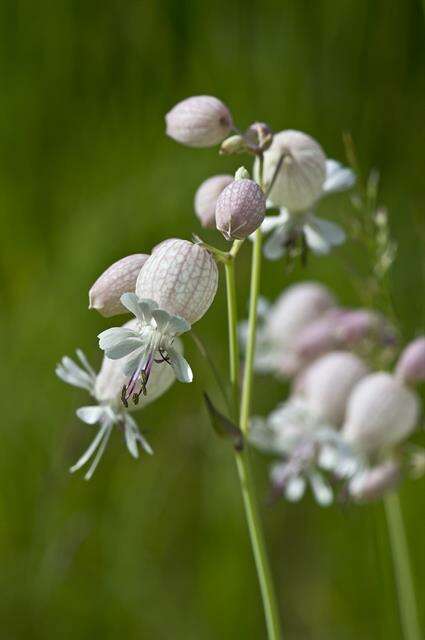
pixel 411 365
pixel 240 209
pixel 106 387
pixel 199 121
pixel 120 277
pixel 149 342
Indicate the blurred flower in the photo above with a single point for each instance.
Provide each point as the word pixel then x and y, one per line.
pixel 282 322
pixel 105 387
pixel 411 365
pixel 206 198
pixel 199 121
pixel 181 277
pixel 289 227
pixel 240 209
pixel 120 277
pixel 381 412
pixel 151 341
pixel 374 482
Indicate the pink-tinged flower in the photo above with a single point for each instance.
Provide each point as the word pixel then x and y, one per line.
pixel 206 198
pixel 326 385
pixel 120 277
pixel 281 324
pixel 240 209
pixel 106 388
pixel 381 413
pixel 199 121
pixel 411 365
pixel 374 482
pixel 181 277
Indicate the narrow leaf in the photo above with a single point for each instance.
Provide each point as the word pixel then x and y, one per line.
pixel 224 427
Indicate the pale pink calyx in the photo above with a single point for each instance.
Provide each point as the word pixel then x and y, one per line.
pixel 411 365
pixel 199 121
pixel 240 209
pixel 181 277
pixel 120 277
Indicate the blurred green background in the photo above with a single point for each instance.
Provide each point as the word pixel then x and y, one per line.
pixel 158 548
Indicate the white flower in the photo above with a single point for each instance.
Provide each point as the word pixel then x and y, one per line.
pixel 289 227
pixel 306 445
pixel 105 387
pixel 151 342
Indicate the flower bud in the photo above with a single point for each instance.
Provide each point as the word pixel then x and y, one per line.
pixel 111 378
pixel 302 172
pixel 259 136
pixel 120 277
pixel 206 198
pixel 232 145
pixel 181 277
pixel 327 384
pixel 240 209
pixel 199 121
pixel 381 412
pixel 373 483
pixel 411 365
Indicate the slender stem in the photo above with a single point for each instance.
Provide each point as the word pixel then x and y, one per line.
pixel 232 315
pixel 402 569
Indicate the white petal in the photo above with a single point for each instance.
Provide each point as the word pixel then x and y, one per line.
pixel 180 366
pixel 111 337
pixel 131 425
pixel 124 348
pixel 333 233
pixel 274 247
pixel 90 415
pixel 100 452
pixel 315 240
pixel 91 449
pixel 83 359
pixel 72 374
pixel 338 177
pixel 321 489
pixel 294 489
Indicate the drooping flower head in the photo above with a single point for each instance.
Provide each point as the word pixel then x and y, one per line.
pixel 150 341
pixel 304 175
pixel 199 121
pixel 120 277
pixel 105 387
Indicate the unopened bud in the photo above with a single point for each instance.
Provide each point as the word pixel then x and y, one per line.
pixel 259 136
pixel 240 209
pixel 381 412
pixel 181 277
pixel 302 172
pixel 373 483
pixel 242 174
pixel 206 198
pixel 234 144
pixel 199 121
pixel 411 365
pixel 120 277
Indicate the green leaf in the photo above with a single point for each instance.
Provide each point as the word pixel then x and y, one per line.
pixel 224 427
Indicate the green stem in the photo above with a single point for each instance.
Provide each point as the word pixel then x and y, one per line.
pixel 256 535
pixel 402 569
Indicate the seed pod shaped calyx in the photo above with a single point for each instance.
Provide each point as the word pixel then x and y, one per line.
pixel 302 172
pixel 411 365
pixel 206 198
pixel 381 412
pixel 120 277
pixel 181 277
pixel 199 121
pixel 240 207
